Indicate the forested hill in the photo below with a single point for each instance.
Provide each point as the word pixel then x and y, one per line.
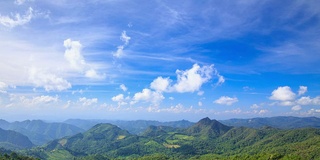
pixel 206 139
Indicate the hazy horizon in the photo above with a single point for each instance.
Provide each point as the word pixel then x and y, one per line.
pixel 158 60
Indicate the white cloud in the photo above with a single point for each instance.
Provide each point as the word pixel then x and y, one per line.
pixel 200 93
pixel 255 106
pixel 296 108
pixel 91 73
pixel 283 94
pixel 160 84
pixel 123 87
pixel 125 38
pixel 3 87
pixel 73 54
pixel 118 98
pixel 49 81
pixel 34 100
pixel 17 20
pixel 45 99
pixel 309 101
pixel 171 98
pixel 286 103
pixel 225 100
pixel 302 90
pixel 76 60
pixel 148 95
pixel 87 101
pixel 263 111
pixel 200 104
pixel 191 80
pixel 20 2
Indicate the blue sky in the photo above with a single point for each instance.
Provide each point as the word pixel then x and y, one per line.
pixel 158 60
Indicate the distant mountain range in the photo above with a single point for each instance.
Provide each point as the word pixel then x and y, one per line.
pixel 276 122
pixel 40 132
pixel 206 139
pixel 134 127
pixel 14 140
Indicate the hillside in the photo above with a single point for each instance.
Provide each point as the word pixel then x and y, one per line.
pixel 14 140
pixel 207 139
pixel 40 132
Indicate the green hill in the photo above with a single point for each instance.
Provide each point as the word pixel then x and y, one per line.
pixel 14 140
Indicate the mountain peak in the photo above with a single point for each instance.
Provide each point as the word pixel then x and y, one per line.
pixel 208 128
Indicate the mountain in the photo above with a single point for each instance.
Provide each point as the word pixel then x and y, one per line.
pixel 281 122
pixel 14 140
pixel 134 127
pixel 208 128
pixel 40 132
pixel 99 139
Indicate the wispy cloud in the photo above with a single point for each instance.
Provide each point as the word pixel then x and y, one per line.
pixel 17 19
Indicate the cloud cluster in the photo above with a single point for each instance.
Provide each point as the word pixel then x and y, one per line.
pixel 49 81
pixel 189 80
pixel 17 20
pixel 147 95
pixel 76 60
pixel 125 38
pixel 87 101
pixel 225 100
pixel 284 96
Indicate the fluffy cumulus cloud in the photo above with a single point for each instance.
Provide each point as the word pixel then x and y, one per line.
pixel 148 95
pixel 118 98
pixel 309 101
pixel 76 60
pixel 17 19
pixel 283 94
pixel 49 81
pixel 160 84
pixel 125 38
pixel 189 80
pixel 302 90
pixel 225 100
pixel 87 101
pixel 73 54
pixel 123 87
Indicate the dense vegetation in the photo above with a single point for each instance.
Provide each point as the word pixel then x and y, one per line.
pixel 207 139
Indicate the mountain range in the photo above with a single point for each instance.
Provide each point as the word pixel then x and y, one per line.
pixel 40 132
pixel 206 139
pixel 256 138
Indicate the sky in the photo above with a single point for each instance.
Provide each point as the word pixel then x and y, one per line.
pixel 159 60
